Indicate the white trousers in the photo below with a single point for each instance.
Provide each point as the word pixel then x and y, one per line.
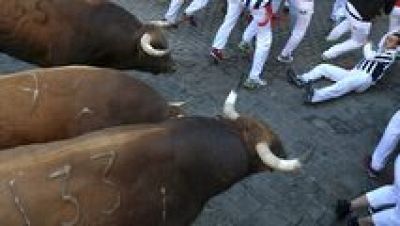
pixel 394 21
pixel 387 144
pixel 173 10
pixel 387 195
pixel 276 4
pixel 345 81
pixel 263 40
pixel 338 10
pixel 359 34
pixel 304 11
pixel 234 10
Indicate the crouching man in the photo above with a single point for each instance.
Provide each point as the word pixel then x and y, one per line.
pixel 366 73
pixel 384 202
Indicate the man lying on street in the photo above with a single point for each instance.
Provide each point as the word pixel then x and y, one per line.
pixel 366 73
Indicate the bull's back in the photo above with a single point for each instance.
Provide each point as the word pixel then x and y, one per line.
pixel 51 104
pixel 133 175
pixel 36 31
pixel 66 32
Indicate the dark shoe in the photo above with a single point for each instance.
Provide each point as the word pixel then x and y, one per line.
pixel 190 19
pixel 309 93
pixel 217 55
pixel 285 59
pixel 293 79
pixel 342 209
pixel 373 174
pixel 353 221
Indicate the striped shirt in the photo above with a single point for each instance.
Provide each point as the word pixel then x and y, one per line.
pixel 255 4
pixel 376 63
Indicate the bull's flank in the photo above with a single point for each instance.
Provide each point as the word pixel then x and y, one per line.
pixel 50 104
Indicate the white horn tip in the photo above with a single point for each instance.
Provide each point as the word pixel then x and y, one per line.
pixel 177 103
pixel 296 165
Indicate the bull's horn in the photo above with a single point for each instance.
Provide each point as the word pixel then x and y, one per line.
pixel 273 161
pixel 229 106
pixel 145 42
pixel 177 103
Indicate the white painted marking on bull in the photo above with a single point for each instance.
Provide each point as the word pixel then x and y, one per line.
pixel 177 103
pixel 84 111
pixel 34 91
pixel 65 173
pixel 164 203
pixel 18 203
pixel 110 156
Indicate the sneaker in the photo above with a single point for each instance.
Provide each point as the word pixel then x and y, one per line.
pixel 285 59
pixel 217 55
pixel 373 174
pixel 353 221
pixel 252 84
pixel 342 209
pixel 309 93
pixel 245 47
pixel 190 19
pixel 293 79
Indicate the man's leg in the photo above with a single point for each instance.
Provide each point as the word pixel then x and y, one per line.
pixel 387 144
pixel 232 15
pixel 276 4
pixel 338 10
pixel 338 31
pixel 262 24
pixel 195 6
pixel 250 32
pixel 263 44
pixel 351 82
pixel 359 35
pixel 173 10
pixel 304 15
pixel 387 195
pixel 394 21
pixel 329 71
pixel 382 197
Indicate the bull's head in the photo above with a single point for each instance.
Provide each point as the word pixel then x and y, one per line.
pixel 154 53
pixel 264 146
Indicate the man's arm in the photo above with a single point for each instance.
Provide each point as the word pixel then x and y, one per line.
pixel 369 54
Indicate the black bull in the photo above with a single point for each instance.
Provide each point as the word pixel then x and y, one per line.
pixel 89 32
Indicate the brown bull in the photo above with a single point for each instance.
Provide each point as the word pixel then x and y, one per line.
pixel 49 104
pixel 89 32
pixel 141 175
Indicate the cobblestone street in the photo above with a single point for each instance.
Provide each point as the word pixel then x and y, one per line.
pixel 339 133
